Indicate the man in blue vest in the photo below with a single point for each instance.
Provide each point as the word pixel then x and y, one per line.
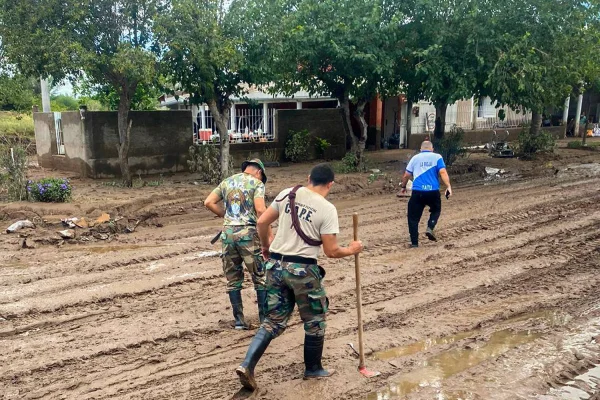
pixel 425 168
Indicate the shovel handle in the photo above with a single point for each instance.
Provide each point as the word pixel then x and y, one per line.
pixel 361 352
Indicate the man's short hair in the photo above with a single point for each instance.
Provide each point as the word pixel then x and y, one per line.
pixel 321 174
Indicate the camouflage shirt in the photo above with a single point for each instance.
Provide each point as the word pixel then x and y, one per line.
pixel 238 193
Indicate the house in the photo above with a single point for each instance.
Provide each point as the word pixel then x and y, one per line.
pixel 251 116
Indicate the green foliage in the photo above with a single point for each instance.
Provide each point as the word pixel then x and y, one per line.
pixel 13 165
pixel 578 144
pixel 16 93
pixel 205 160
pixel 321 146
pixel 15 124
pixel 529 145
pixel 50 190
pixel 451 146
pixel 348 164
pixel 105 97
pixel 64 103
pixel 297 146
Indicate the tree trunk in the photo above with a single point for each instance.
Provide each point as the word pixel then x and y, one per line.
pixel 124 127
pixel 536 123
pixel 345 104
pixel 440 120
pixel 221 117
pixel 409 117
pixel 587 124
pixel 362 141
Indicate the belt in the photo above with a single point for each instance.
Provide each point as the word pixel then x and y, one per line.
pixel 293 259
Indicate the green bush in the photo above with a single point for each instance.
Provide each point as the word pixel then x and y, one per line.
pixel 451 146
pixel 297 146
pixel 530 145
pixel 575 144
pixel 321 146
pixel 49 190
pixel 206 160
pixel 13 163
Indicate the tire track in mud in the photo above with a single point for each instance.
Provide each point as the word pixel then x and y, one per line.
pixel 288 373
pixel 194 376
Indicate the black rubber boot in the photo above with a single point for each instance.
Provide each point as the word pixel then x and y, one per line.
pixel 261 298
pixel 235 297
pixel 313 351
pixel 255 351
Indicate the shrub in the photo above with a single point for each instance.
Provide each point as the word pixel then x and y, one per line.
pixel 349 164
pixel 297 146
pixel 49 190
pixel 13 163
pixel 575 144
pixel 321 146
pixel 530 145
pixel 450 147
pixel 206 160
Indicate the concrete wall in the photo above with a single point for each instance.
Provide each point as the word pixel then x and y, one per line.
pixel 323 123
pixel 159 142
pixel 480 137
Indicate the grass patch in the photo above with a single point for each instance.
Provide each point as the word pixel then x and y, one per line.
pixel 577 144
pixel 16 124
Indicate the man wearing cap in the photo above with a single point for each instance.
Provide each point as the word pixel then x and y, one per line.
pixel 307 221
pixel 243 198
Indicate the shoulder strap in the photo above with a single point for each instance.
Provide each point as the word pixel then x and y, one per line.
pixel 295 220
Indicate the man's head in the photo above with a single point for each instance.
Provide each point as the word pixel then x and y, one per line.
pixel 256 168
pixel 426 146
pixel 322 176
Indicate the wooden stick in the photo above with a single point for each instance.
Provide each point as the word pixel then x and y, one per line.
pixel 358 298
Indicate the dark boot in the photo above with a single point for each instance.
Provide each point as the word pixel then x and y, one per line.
pixel 257 347
pixel 235 297
pixel 261 298
pixel 313 351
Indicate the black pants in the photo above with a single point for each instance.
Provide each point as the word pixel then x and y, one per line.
pixel 416 205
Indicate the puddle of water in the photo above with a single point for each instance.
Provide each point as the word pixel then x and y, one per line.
pixel 107 249
pixel 452 362
pixel 552 318
pixel 420 346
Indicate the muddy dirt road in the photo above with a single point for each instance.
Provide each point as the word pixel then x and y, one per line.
pixel 506 305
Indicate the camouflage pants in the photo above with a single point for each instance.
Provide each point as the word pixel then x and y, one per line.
pixel 289 284
pixel 241 245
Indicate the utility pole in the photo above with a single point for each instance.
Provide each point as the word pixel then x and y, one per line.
pixel 45 95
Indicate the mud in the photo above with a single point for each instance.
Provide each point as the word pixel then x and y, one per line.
pixel 504 306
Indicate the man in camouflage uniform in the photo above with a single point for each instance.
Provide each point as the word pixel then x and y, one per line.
pixel 243 196
pixel 293 276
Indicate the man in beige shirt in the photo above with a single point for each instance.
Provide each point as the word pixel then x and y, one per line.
pixel 306 221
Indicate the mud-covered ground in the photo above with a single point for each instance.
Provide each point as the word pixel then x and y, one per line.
pixel 506 305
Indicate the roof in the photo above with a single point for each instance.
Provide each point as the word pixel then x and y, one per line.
pixel 252 93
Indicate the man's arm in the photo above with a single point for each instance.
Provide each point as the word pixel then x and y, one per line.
pixel 212 203
pixel 407 175
pixel 260 208
pixel 446 180
pixel 263 226
pixel 332 249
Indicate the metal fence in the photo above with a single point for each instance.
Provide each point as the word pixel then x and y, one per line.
pixel 249 126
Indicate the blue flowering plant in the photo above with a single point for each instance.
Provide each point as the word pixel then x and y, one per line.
pixel 49 190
